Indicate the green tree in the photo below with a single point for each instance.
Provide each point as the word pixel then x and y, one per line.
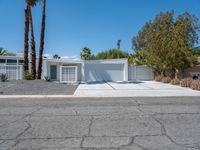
pixel 167 42
pixel 111 54
pixel 2 51
pixel 139 58
pixel 196 51
pixel 56 56
pixel 10 54
pixel 85 53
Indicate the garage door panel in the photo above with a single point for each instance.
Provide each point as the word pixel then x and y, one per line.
pixel 104 72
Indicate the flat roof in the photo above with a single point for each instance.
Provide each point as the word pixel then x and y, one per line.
pixel 12 57
pixel 64 60
pixel 117 60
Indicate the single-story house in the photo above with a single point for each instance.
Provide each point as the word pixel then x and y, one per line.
pixel 70 70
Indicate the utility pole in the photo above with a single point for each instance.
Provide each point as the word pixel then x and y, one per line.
pixel 119 44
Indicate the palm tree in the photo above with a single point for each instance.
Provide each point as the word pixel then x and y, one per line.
pixel 26 38
pixel 85 53
pixel 33 52
pixel 2 51
pixel 29 22
pixel 56 56
pixel 42 40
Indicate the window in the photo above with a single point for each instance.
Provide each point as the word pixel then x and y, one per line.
pixel 11 61
pixel 2 61
pixel 21 61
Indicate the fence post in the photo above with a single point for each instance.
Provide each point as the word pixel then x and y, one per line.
pixel 20 69
pixel 135 73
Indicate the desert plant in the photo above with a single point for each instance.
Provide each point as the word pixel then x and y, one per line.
pixel 175 82
pixel 28 75
pixel 186 82
pixel 195 85
pixel 3 77
pixel 166 79
pixel 158 78
pixel 47 78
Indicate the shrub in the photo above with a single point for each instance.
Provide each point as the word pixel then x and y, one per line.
pixel 186 82
pixel 195 85
pixel 166 79
pixel 28 76
pixel 175 82
pixel 47 78
pixel 158 78
pixel 3 77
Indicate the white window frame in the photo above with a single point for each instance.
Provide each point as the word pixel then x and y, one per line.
pixel 76 75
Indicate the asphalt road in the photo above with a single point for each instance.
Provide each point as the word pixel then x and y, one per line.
pixel 100 124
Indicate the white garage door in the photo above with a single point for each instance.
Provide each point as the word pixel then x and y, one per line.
pixel 104 72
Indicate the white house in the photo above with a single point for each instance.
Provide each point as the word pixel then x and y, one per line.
pixel 69 70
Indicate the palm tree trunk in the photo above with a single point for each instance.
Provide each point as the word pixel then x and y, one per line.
pixel 33 53
pixel 26 40
pixel 42 40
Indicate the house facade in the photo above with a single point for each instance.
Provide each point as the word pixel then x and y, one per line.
pixel 69 70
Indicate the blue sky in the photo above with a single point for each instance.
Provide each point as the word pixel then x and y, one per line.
pixel 73 24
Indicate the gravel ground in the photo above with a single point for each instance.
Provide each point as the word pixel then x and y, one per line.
pixel 36 87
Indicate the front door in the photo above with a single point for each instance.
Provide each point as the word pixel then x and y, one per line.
pixel 53 72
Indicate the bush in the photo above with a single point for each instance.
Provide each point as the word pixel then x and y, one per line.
pixel 3 77
pixel 166 79
pixel 186 82
pixel 47 78
pixel 195 85
pixel 28 76
pixel 158 78
pixel 175 82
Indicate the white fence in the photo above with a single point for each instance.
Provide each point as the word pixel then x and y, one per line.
pixel 13 72
pixel 141 73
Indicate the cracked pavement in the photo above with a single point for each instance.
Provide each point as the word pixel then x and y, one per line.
pixel 100 124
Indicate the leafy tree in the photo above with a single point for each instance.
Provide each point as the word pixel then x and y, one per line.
pixel 2 51
pixel 111 54
pixel 10 54
pixel 139 58
pixel 167 42
pixel 42 34
pixel 196 51
pixel 85 53
pixel 56 56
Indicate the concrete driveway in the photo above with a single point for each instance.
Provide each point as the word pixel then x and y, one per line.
pixel 100 124
pixel 137 89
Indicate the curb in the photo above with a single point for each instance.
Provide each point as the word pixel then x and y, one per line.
pixel 98 96
pixel 35 96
